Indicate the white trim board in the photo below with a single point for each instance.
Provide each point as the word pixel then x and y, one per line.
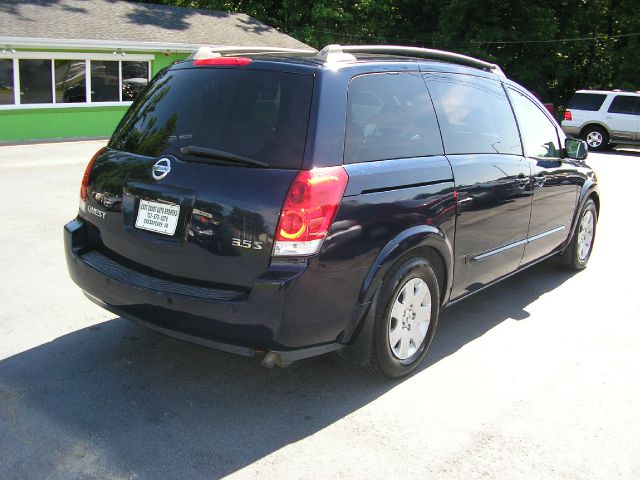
pixel 91 44
pixel 50 106
pixel 78 56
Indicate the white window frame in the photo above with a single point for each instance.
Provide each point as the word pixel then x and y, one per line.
pixel 87 57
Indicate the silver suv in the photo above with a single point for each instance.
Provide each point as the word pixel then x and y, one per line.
pixel 604 118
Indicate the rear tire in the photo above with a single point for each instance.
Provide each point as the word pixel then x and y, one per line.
pixel 577 254
pixel 405 319
pixel 596 137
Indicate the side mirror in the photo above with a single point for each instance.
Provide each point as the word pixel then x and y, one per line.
pixel 575 148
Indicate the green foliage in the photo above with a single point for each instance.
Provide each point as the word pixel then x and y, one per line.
pixel 553 47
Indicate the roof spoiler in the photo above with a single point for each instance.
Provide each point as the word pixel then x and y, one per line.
pixel 212 52
pixel 344 53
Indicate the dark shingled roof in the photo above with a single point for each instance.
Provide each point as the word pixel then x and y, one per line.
pixel 118 20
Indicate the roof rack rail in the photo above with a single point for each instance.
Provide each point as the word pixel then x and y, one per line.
pixel 341 53
pixel 210 52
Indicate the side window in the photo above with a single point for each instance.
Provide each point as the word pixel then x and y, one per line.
pixel 474 114
pixel 538 132
pixel 587 101
pixel 625 104
pixel 390 115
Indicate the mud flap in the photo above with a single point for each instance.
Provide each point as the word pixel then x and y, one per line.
pixel 359 351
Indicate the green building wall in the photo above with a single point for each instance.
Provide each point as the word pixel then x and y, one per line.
pixel 73 122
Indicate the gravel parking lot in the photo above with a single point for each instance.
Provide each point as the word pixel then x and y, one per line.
pixel 535 378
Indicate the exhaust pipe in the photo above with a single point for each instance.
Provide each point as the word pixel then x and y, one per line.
pixel 287 357
pixel 272 359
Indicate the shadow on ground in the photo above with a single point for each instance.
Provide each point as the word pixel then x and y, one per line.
pixel 625 151
pixel 118 400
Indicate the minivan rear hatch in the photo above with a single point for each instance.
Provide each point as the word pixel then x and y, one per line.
pixel 193 180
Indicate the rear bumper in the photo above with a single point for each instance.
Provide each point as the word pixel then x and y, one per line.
pixel 572 130
pixel 228 321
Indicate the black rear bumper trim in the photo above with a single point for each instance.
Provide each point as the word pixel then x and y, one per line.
pixel 119 272
pixel 205 342
pixel 285 355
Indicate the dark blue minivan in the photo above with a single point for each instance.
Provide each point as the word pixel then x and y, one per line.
pixel 287 204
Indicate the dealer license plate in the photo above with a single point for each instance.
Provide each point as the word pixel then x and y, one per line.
pixel 158 217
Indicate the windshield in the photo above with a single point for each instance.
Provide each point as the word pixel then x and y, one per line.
pixel 251 113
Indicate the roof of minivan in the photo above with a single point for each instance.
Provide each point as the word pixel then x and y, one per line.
pixel 342 57
pixel 301 60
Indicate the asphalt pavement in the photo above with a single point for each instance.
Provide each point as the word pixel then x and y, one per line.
pixel 536 378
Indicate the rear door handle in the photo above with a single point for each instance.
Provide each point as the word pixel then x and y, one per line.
pixel 522 181
pixel 540 179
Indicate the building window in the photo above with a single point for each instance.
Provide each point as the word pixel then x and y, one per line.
pixel 6 82
pixel 135 76
pixel 42 82
pixel 104 81
pixel 35 81
pixel 71 81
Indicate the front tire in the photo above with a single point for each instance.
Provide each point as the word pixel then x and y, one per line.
pixel 577 254
pixel 406 318
pixel 596 137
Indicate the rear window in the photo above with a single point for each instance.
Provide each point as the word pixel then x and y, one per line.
pixel 586 101
pixel 253 113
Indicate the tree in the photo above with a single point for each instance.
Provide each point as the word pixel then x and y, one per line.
pixel 551 47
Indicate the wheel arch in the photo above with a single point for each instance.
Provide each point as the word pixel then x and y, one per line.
pixel 596 123
pixel 424 241
pixel 595 196
pixel 589 191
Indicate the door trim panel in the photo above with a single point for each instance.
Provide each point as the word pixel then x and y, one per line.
pixel 504 248
pixel 538 236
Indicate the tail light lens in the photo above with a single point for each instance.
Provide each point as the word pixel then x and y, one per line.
pixel 309 210
pixel 224 61
pixel 85 181
pixel 567 115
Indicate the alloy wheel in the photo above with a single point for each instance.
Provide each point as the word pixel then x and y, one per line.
pixel 585 235
pixel 410 318
pixel 594 139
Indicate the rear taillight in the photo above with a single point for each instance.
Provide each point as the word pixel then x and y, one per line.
pixel 308 210
pixel 567 115
pixel 85 181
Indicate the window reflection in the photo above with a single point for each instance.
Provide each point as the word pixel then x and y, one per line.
pixel 70 81
pixel 135 76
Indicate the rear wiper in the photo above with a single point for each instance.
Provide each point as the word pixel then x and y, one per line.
pixel 220 155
